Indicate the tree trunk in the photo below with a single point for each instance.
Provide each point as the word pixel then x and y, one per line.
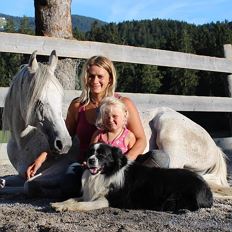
pixel 53 18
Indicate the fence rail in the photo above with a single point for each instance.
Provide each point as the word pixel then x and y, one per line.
pixel 26 44
pixel 149 101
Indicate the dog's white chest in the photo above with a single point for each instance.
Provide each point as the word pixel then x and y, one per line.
pixel 94 186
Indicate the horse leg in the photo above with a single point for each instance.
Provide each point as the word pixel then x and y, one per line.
pixel 154 158
pixel 170 154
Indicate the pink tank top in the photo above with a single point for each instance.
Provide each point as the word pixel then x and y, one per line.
pixel 117 142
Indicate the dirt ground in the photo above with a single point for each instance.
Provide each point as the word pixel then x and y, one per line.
pixel 19 214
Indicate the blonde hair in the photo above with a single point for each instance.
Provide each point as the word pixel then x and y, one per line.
pixel 101 62
pixel 104 106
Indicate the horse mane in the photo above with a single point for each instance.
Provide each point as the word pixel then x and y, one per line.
pixel 37 83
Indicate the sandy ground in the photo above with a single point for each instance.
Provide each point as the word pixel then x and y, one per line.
pixel 21 214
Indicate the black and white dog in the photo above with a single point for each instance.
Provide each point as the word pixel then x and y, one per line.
pixel 111 180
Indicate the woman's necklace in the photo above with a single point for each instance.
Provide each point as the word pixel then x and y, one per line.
pixel 95 102
pixel 95 106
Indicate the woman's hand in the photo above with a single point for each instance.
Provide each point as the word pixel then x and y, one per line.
pixel 33 168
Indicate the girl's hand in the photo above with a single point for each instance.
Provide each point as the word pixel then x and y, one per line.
pixel 84 164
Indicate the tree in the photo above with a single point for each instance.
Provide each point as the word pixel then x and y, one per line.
pixel 9 62
pixel 10 27
pixel 78 34
pixel 53 18
pixel 9 65
pixel 25 26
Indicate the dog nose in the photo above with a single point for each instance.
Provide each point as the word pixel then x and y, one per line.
pixel 91 161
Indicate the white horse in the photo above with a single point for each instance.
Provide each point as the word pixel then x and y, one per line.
pixel 33 115
pixel 188 145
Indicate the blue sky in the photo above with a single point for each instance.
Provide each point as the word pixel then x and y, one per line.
pixel 191 11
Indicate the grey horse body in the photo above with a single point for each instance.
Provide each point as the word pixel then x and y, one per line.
pixel 33 115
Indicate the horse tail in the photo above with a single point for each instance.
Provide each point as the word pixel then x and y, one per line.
pixel 216 177
pixel 221 190
pixel 218 173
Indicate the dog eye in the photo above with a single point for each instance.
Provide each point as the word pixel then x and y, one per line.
pixel 100 156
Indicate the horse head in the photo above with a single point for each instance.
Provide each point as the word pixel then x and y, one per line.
pixel 34 102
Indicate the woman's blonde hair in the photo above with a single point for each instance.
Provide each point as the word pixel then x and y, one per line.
pixel 101 62
pixel 104 107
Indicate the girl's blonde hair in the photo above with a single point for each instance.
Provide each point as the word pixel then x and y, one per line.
pixel 104 107
pixel 101 62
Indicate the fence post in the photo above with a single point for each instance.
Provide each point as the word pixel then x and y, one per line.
pixel 228 55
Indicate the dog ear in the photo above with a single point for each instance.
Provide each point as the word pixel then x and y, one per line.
pixel 119 156
pixel 116 151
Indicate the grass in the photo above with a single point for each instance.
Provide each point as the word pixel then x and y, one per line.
pixel 4 136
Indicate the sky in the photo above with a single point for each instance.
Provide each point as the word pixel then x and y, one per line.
pixel 192 11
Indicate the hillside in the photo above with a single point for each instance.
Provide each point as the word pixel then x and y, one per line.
pixel 81 22
pixel 84 23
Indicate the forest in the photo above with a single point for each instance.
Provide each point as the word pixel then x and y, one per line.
pixel 207 39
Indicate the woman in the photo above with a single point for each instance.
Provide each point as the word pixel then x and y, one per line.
pixel 98 81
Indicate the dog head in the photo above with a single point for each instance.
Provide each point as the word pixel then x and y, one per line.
pixel 105 159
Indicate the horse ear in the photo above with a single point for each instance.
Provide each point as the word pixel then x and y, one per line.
pixel 53 60
pixel 33 64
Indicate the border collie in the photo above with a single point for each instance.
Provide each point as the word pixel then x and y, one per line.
pixel 112 180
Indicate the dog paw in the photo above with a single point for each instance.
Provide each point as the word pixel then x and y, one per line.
pixel 59 207
pixel 68 205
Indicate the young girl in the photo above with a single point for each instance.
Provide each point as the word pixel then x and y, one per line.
pixel 111 123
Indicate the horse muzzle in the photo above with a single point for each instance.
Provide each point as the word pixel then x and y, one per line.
pixel 58 143
pixel 61 146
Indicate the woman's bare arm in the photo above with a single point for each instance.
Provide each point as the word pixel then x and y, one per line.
pixel 94 138
pixel 72 115
pixel 135 126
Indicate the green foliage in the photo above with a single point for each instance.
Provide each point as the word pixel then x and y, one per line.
pixel 25 27
pixel 10 27
pixel 136 78
pixel 171 35
pixel 180 81
pixel 4 136
pixel 84 23
pixel 9 62
pixel 150 79
pixel 77 34
pixel 9 65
